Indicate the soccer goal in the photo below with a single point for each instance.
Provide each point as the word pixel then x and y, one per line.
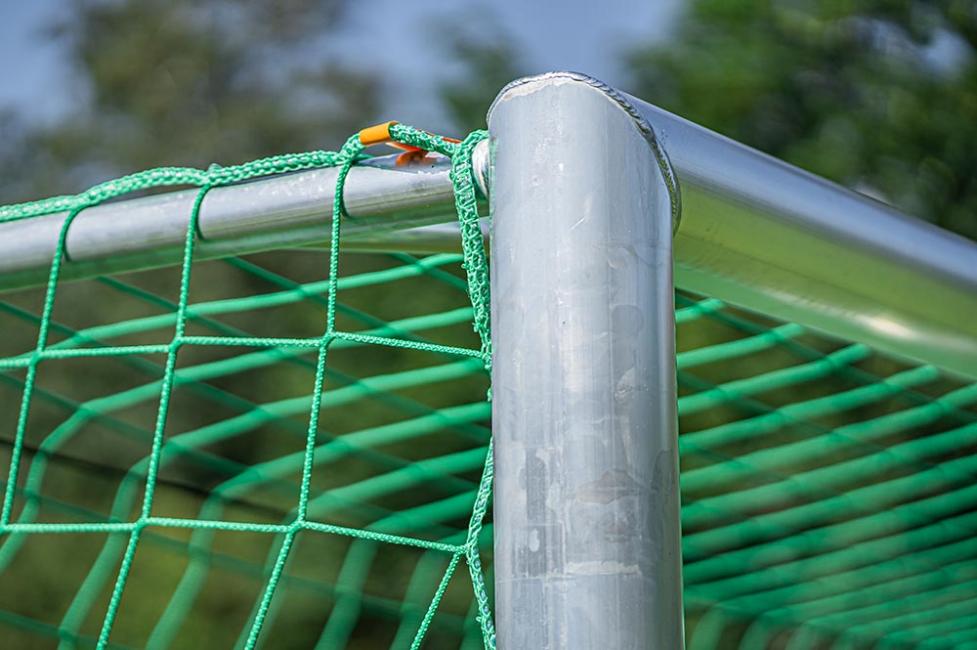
pixel 595 378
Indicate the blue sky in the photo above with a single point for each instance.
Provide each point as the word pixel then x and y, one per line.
pixel 584 35
pixel 32 75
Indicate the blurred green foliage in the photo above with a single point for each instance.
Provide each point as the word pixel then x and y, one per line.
pixel 177 82
pixel 879 95
pixel 487 62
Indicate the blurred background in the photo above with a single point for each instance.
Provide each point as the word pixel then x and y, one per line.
pixel 878 95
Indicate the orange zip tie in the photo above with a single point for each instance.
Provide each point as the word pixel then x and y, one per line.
pixel 380 134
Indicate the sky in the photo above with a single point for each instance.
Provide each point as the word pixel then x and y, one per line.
pixel 33 75
pixel 582 35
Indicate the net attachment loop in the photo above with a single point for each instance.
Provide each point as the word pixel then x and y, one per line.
pixel 380 134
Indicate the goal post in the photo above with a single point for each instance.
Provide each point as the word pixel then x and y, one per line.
pixel 754 230
pixel 828 445
pixel 587 549
pixel 588 186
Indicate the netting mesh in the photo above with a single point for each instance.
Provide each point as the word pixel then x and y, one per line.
pixel 290 449
pixel 285 401
pixel 828 491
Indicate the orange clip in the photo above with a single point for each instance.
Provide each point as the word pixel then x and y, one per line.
pixel 376 134
pixel 380 134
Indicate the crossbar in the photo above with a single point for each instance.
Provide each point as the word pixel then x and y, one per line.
pixel 290 210
pixel 754 231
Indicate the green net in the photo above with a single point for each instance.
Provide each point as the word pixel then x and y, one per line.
pixel 292 449
pixel 828 491
pixel 286 400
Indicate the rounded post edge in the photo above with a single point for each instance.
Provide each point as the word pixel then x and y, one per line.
pixel 588 544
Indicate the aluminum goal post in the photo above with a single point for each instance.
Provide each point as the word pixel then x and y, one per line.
pixel 588 187
pixel 602 205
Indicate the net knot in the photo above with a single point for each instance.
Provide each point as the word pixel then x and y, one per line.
pixel 350 151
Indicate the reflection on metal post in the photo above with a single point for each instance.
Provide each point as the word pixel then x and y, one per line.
pixel 587 540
